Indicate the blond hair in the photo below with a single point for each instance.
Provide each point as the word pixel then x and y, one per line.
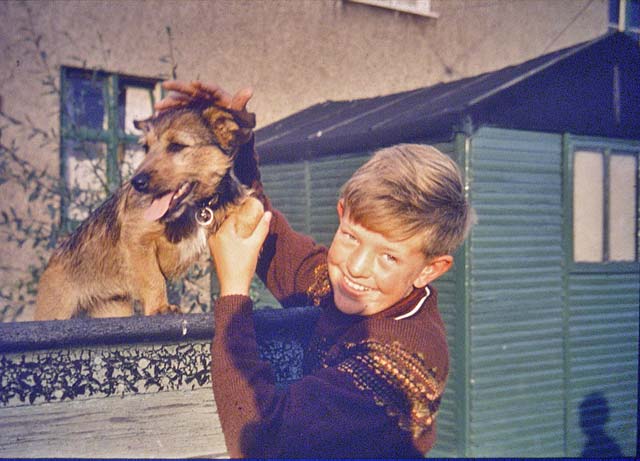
pixel 407 190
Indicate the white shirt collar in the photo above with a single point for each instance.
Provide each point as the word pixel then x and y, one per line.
pixel 418 306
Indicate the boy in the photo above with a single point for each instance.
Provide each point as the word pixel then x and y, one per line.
pixel 377 364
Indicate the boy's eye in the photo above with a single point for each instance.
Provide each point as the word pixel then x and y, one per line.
pixel 348 236
pixel 390 259
pixel 175 147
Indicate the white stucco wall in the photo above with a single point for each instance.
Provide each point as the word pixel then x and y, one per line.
pixel 294 53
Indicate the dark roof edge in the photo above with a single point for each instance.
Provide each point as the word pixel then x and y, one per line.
pixel 438 128
pixel 562 54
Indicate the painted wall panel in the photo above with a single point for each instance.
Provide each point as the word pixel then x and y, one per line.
pixel 516 369
pixel 603 301
pixel 286 188
pixel 603 361
pixel 448 416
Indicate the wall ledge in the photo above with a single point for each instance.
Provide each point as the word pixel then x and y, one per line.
pixel 86 332
pixel 81 359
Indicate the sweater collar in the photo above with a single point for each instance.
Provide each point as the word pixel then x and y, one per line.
pixel 406 307
pixel 417 307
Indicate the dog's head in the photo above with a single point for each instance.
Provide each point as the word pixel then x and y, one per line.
pixel 191 153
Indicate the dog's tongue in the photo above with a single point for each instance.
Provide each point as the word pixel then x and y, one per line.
pixel 158 207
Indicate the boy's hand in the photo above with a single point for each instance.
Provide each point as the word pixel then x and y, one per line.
pixel 235 249
pixel 182 93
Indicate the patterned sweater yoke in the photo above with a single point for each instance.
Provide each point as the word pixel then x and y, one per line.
pixel 398 357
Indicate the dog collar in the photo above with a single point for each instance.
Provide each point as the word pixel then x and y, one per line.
pixel 204 214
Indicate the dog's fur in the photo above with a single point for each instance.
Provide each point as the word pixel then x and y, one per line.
pixel 127 248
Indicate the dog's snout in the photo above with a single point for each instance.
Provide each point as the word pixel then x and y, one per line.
pixel 140 182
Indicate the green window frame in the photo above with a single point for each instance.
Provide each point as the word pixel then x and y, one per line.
pixel 99 149
pixel 98 143
pixel 602 205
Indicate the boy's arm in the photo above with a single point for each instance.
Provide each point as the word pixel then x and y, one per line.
pixel 260 420
pixel 289 263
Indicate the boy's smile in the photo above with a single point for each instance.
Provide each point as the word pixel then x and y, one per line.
pixel 369 272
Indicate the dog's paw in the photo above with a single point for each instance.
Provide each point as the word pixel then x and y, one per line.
pixel 166 309
pixel 173 309
pixel 248 216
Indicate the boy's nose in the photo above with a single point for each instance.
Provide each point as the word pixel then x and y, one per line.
pixel 360 263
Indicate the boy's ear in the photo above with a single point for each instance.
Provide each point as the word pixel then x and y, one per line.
pixel 434 269
pixel 340 208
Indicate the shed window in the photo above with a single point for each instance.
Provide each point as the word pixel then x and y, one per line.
pixel 99 144
pixel 605 219
pixel 622 207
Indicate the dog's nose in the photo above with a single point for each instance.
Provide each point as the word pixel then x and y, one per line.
pixel 140 182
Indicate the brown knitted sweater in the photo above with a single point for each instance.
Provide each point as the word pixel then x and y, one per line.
pixel 372 384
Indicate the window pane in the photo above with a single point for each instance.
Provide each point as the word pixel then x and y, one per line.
pixel 588 206
pixel 84 102
pixel 85 176
pixel 133 155
pixel 622 207
pixel 136 103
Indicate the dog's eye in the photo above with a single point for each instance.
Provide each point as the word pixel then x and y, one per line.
pixel 175 147
pixel 145 148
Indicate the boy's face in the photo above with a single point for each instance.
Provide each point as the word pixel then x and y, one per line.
pixel 370 273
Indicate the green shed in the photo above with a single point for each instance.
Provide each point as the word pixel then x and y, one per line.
pixel 542 306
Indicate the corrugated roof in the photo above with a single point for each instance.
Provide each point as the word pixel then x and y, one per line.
pixel 592 88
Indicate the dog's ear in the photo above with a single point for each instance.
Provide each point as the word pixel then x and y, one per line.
pixel 245 166
pixel 230 130
pixel 143 125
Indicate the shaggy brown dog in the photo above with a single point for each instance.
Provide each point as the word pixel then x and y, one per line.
pixel 198 168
